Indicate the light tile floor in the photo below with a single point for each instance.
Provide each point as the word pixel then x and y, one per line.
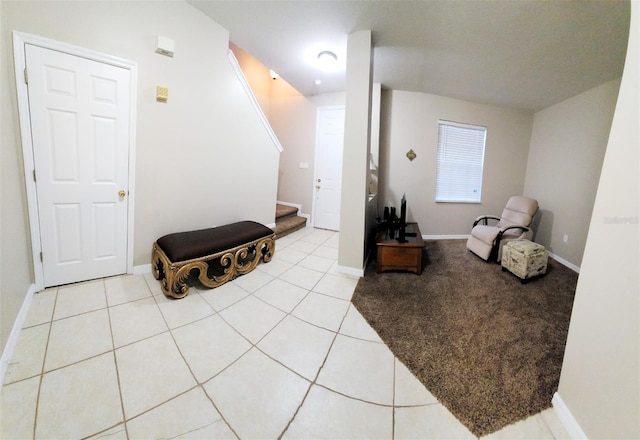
pixel 277 353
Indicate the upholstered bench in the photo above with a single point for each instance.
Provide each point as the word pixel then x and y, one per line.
pixel 219 254
pixel 525 259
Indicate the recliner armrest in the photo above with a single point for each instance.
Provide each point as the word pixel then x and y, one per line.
pixel 484 218
pixel 495 248
pixel 506 228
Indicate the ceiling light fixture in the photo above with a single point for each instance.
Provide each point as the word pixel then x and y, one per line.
pixel 327 59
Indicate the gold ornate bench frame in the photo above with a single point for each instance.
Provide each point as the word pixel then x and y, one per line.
pixel 173 275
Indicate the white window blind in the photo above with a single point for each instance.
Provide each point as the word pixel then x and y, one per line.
pixel 460 162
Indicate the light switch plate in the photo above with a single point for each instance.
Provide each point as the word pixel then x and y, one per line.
pixel 162 93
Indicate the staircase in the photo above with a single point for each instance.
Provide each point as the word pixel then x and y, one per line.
pixel 287 220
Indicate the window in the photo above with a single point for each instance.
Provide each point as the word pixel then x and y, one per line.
pixel 460 162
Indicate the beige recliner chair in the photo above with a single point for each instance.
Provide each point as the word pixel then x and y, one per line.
pixel 486 241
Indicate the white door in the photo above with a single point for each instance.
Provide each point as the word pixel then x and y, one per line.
pixel 79 112
pixel 328 184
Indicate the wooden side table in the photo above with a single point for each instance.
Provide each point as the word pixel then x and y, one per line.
pixel 393 255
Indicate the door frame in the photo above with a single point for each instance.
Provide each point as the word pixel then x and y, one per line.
pixel 315 158
pixel 20 39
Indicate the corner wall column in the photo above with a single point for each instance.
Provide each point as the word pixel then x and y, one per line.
pixel 351 251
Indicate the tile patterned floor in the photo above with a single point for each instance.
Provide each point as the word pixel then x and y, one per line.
pixel 277 353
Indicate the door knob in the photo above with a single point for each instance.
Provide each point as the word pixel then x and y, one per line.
pixel 122 193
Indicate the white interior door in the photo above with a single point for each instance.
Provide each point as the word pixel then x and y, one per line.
pixel 328 184
pixel 79 114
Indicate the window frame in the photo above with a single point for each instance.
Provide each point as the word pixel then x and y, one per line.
pixel 443 195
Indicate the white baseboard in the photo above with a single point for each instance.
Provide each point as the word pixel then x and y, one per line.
pixel 142 269
pixel 356 273
pixel 564 262
pixel 7 353
pixel 566 418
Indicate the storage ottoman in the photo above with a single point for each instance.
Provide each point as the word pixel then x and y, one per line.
pixel 525 259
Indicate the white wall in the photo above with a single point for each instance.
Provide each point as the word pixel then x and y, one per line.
pixel 568 144
pixel 198 155
pixel 293 118
pixel 600 379
pixel 16 275
pixel 410 121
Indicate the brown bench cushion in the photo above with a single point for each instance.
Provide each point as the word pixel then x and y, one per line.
pixel 183 246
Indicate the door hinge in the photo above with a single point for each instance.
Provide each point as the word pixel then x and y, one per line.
pixel 41 260
pixel 34 176
pixel 26 76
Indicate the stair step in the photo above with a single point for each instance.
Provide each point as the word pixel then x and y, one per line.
pixel 285 211
pixel 288 220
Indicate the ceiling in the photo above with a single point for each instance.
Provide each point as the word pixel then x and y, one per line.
pixel 522 54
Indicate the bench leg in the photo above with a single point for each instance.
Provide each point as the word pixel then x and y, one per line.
pixel 172 278
pixel 176 280
pixel 158 263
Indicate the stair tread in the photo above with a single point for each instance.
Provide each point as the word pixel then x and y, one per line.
pixel 284 211
pixel 289 225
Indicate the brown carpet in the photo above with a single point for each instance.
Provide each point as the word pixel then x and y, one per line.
pixel 488 348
